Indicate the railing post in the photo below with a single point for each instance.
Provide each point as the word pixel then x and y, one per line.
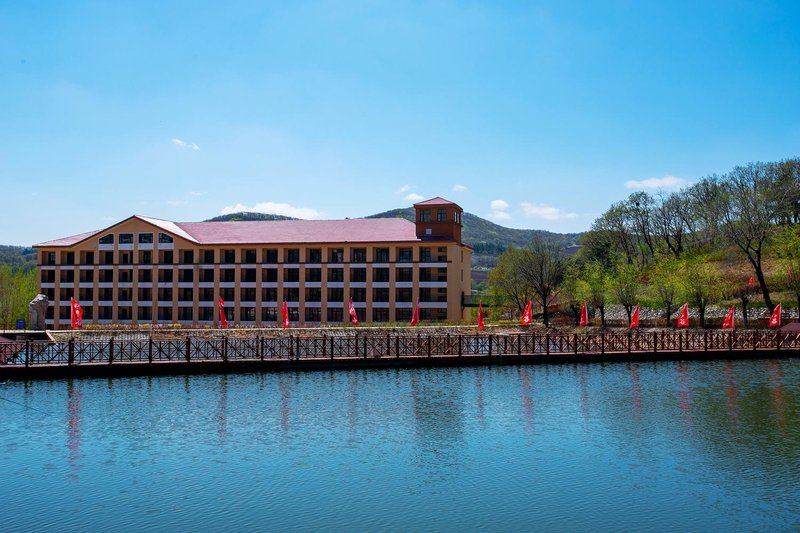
pixel 356 344
pixel 71 356
pixel 388 345
pixel 460 347
pixel 490 344
pixel 519 344
pixel 297 347
pixel 225 349
pixel 291 346
pixel 575 341
pixel 655 342
pixel 429 345
pixel 27 353
pixel 150 349
pixel 730 341
pixel 705 341
pixel 629 341
pixel 602 342
pixel 547 343
pixel 680 341
pixel 188 349
pixel 778 339
pixel 365 348
pixel 755 340
pixel 260 347
pixel 111 350
pixel 397 346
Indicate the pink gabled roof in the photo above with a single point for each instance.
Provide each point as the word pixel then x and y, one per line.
pixel 437 201
pixel 69 241
pixel 302 231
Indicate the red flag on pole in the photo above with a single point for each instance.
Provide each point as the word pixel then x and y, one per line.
pixel 584 316
pixel 222 320
pixel 728 322
pixel 480 316
pixel 353 315
pixel 683 318
pixel 635 318
pixel 415 315
pixel 527 315
pixel 775 319
pixel 76 314
pixel 751 281
pixel 285 315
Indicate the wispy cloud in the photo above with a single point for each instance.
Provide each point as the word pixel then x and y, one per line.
pixel 272 208
pixel 177 202
pixel 667 182
pixel 183 144
pixel 499 210
pixel 195 193
pixel 413 197
pixel 459 188
pixel 404 189
pixel 545 212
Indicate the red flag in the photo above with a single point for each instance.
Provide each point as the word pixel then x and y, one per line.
pixel 76 314
pixel 635 318
pixel 415 315
pixel 752 281
pixel 480 316
pixel 222 320
pixel 683 318
pixel 728 322
pixel 285 315
pixel 775 319
pixel 526 315
pixel 353 315
pixel 584 316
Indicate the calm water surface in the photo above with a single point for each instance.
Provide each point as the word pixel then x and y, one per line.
pixel 661 446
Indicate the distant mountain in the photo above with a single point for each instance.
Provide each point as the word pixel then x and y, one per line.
pixel 17 256
pixel 247 217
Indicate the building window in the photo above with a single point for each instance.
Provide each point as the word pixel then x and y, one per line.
pixel 269 314
pixel 165 257
pixel 291 274
pixel 247 295
pixel 314 274
pixel 106 294
pixel 107 239
pixel 249 257
pixel 67 276
pixel 381 255
pixel 358 294
pixel 271 256
pixel 313 294
pixel 105 312
pixel 145 238
pixel 146 276
pixel 269 275
pixel 125 295
pixel 187 257
pixel 208 257
pixel 358 274
pixel 185 295
pixel 206 314
pixel 185 314
pixel 425 295
pixel 249 275
pixel 404 255
pixel 335 315
pixel 49 258
pixel 380 315
pixel 227 294
pixel 457 217
pixel 185 275
pixel 126 276
pixel 248 314
pixel 207 275
pixel 145 295
pixel 294 314
pixel 313 314
pixel 145 257
pixel 335 294
pixel 228 257
pixel 164 294
pixel 164 276
pixel 227 275
pixel 403 315
pixel 206 294
pixel 424 215
pixel 405 274
pixel 49 276
pixel 359 255
pixel 291 294
pixel 336 255
pixel 441 215
pixel 163 238
pixel 404 295
pixel 380 295
pixel 86 295
pixel 292 255
pixel 380 274
pixel 425 254
pixel 107 276
pixel 164 314
pixel 335 274
pixel 270 294
pixel 314 255
pixel 441 254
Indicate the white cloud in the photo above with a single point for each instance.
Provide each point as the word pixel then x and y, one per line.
pixel 183 144
pixel 195 193
pixel 413 197
pixel 545 211
pixel 177 202
pixel 499 208
pixel 667 182
pixel 459 188
pixel 272 208
pixel 404 189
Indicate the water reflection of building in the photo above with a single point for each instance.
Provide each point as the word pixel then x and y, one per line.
pixel 438 406
pixel 73 427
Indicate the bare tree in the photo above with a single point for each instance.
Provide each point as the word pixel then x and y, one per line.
pixel 543 269
pixel 506 280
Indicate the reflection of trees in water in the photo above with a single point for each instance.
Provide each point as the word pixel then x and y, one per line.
pixel 583 378
pixel 73 426
pixel 222 406
pixel 526 391
pixel 438 406
pixel 480 402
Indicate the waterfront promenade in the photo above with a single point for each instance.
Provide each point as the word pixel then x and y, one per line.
pixel 126 353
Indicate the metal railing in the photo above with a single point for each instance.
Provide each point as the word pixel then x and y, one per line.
pixel 77 351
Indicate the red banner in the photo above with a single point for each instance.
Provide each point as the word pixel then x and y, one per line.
pixel 635 318
pixel 285 315
pixel 775 319
pixel 584 316
pixel 353 314
pixel 728 323
pixel 527 315
pixel 481 325
pixel 683 318
pixel 222 320
pixel 415 315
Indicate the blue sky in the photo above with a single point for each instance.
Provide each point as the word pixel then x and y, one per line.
pixel 534 114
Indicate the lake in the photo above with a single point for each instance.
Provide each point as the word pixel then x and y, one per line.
pixel 690 446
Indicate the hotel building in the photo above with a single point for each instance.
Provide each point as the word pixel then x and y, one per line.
pixel 149 271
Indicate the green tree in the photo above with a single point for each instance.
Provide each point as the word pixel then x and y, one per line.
pixel 625 286
pixel 598 283
pixel 507 282
pixel 702 285
pixel 665 281
pixel 543 269
pixel 17 289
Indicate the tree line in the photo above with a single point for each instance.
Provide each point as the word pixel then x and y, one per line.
pixel 671 247
pixel 17 288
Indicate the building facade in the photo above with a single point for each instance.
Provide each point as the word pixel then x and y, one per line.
pixel 149 271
